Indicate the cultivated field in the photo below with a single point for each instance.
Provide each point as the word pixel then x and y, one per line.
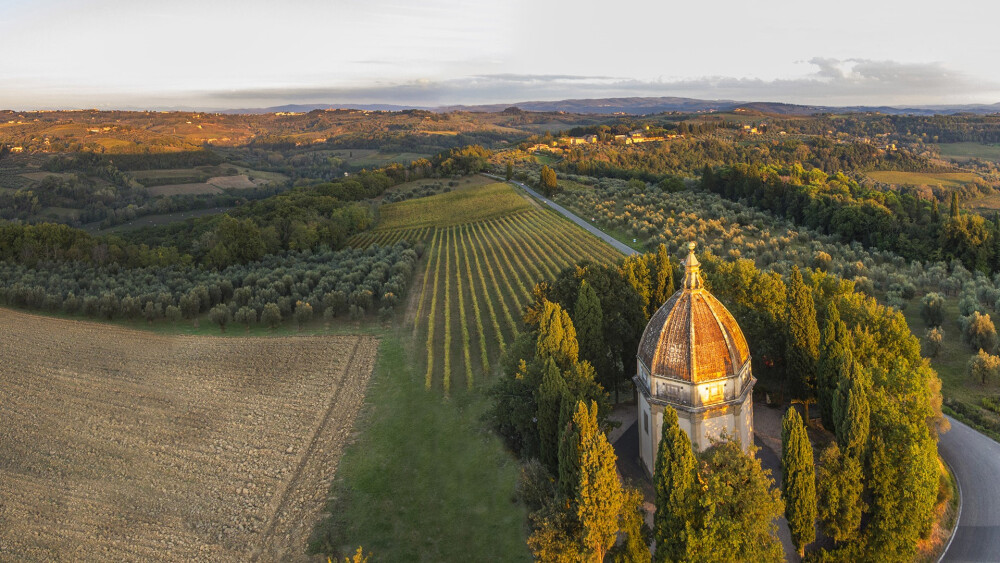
pixel 946 179
pixel 452 208
pixel 238 182
pixel 154 220
pixel 488 248
pixel 477 281
pixel 125 445
pixel 961 152
pixel 183 189
pixel 375 158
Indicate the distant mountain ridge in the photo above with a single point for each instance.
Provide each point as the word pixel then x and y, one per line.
pixel 645 106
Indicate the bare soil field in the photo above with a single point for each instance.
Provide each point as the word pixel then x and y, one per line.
pixel 124 445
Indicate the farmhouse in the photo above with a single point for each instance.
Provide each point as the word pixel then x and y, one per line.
pixel 694 358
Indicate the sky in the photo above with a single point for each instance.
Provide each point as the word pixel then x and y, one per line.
pixel 223 54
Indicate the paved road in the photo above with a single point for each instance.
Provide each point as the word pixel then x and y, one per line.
pixel 973 457
pixel 618 245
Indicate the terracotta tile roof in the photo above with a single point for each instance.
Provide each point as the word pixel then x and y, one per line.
pixel 693 336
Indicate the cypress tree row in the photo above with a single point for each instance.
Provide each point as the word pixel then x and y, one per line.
pixel 798 488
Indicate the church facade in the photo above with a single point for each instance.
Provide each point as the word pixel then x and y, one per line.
pixel 694 358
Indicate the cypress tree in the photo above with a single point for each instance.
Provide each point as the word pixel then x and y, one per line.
pixel 935 214
pixel 569 462
pixel 798 488
pixel 510 170
pixel 549 398
pixel 663 284
pixel 852 414
pixel 839 485
pixel 588 318
pixel 802 345
pixel 556 336
pixel 674 480
pixel 954 205
pixel 548 180
pixel 636 272
pixel 707 178
pixel 599 495
pixel 833 349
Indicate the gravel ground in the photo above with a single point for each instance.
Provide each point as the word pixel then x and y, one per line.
pixel 124 445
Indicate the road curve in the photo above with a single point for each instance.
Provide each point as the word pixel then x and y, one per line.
pixel 974 458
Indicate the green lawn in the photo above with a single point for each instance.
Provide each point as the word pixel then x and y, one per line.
pixel 951 362
pixel 946 179
pixel 961 152
pixel 425 479
pixel 545 158
pixel 985 205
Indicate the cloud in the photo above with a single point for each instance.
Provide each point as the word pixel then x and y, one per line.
pixel 830 82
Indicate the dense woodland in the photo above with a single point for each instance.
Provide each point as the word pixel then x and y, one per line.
pixel 689 156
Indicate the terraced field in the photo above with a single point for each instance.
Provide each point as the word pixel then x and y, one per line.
pixel 119 445
pixel 477 278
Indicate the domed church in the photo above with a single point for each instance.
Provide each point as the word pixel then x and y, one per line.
pixel 693 357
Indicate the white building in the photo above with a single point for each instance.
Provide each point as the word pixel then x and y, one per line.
pixel 694 358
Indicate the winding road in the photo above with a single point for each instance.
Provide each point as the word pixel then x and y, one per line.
pixel 973 457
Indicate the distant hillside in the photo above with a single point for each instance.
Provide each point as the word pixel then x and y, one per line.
pixel 644 106
pixel 305 108
pixel 635 106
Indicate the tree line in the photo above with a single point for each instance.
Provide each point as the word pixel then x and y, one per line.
pixel 650 161
pixel 293 284
pixel 901 222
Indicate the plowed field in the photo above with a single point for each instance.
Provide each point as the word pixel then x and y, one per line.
pixel 123 445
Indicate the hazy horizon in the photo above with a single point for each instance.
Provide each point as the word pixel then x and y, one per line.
pixel 108 54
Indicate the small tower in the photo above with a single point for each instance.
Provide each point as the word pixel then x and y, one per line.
pixel 694 358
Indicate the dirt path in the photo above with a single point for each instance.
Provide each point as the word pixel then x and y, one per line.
pixel 124 445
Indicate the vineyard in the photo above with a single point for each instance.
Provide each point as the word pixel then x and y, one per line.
pixel 478 277
pixel 480 268
pixel 453 208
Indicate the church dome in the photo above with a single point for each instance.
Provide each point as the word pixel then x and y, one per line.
pixel 693 337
